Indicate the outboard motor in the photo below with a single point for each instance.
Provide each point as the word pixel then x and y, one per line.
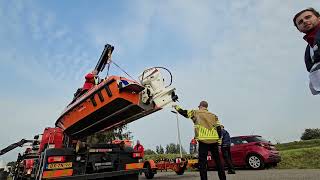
pixel 155 90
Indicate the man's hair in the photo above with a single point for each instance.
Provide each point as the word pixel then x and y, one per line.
pixel 203 104
pixel 316 13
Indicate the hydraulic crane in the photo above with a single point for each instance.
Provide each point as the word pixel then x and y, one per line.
pixel 113 102
pixel 15 145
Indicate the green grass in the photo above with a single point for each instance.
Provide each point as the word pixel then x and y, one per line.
pixel 158 157
pixel 303 158
pixel 298 145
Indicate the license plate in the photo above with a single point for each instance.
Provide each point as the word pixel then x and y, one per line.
pixel 60 165
pixel 193 161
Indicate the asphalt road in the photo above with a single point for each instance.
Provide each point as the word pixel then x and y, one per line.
pixel 269 174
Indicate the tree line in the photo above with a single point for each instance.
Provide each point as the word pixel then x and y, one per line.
pixel 169 149
pixel 311 134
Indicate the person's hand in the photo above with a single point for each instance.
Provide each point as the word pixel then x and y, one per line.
pixel 174 106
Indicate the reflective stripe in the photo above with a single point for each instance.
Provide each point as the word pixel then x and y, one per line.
pixel 57 173
pixel 220 141
pixel 96 80
pixel 134 166
pixel 206 134
pixel 190 113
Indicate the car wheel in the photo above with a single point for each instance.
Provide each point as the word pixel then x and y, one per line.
pixel 254 161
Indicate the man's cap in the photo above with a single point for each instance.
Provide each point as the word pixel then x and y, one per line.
pixel 203 104
pixel 89 76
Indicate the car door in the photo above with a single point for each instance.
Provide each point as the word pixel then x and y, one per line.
pixel 238 148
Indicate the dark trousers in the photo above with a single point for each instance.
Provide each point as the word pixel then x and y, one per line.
pixel 227 157
pixel 203 153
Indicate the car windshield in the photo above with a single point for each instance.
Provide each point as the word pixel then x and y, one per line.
pixel 255 139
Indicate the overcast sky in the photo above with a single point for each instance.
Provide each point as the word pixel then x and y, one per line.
pixel 244 57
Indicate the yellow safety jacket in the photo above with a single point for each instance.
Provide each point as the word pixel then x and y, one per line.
pixel 205 124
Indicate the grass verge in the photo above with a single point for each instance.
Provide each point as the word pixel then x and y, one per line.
pixel 303 158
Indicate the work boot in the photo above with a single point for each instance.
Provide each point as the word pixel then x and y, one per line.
pixel 231 172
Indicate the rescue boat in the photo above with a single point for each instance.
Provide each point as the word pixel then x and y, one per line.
pixel 114 102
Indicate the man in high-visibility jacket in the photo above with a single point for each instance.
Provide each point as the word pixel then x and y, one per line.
pixel 208 133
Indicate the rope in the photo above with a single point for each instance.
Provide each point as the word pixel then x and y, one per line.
pixel 111 61
pixel 122 70
pixel 108 69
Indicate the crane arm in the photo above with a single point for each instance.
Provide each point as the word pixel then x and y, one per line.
pixel 14 145
pixel 104 58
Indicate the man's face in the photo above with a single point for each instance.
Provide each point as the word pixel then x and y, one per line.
pixel 307 21
pixel 94 72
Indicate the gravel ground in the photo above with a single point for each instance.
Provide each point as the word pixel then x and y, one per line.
pixel 270 174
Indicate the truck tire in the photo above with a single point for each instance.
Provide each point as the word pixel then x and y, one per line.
pixel 149 173
pixel 181 170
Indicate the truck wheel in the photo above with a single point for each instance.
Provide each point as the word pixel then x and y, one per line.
pixel 180 171
pixel 149 173
pixel 254 161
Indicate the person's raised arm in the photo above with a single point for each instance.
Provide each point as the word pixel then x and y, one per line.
pixel 185 113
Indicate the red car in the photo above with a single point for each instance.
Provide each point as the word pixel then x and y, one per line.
pixel 251 151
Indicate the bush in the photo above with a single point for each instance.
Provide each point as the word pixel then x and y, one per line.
pixel 149 152
pixel 174 149
pixel 159 150
pixel 311 134
pixel 159 157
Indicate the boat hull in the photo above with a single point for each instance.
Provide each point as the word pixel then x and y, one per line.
pixel 112 103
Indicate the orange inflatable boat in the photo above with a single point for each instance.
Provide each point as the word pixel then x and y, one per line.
pixel 114 102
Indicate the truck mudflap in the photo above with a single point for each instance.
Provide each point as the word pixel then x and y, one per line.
pixel 134 166
pixel 104 174
pixel 57 173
